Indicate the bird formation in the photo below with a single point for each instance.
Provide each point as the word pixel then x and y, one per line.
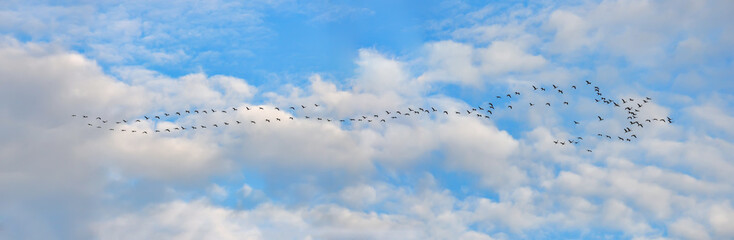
pixel 484 111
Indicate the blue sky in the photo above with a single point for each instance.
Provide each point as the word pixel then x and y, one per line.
pixel 420 177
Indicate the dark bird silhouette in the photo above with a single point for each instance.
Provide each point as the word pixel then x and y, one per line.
pixel 276 108
pixel 268 120
pixel 238 122
pixel 573 86
pixel 508 95
pixel 303 106
pixel 490 112
pixel 510 106
pixel 531 104
pixel 587 82
pixel 499 97
pixel 234 109
pixel 215 125
pixel 166 114
pixel 560 91
pixel 224 111
pixel 178 113
pixel 292 108
pixel 316 105
pixel 554 86
pixel 565 103
pixel 261 108
pixel 137 120
pixel 253 122
pixel 548 104
pixel 517 93
pixel 600 119
pixel 534 88
pixel 575 122
pixel 542 89
pixel 204 111
pixel 146 117
pixel 588 150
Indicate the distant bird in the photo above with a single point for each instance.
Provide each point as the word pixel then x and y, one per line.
pixel 600 119
pixel 178 113
pixel 510 106
pixel 542 89
pixel 560 91
pixel 535 88
pixel 575 122
pixel 588 150
pixel 547 104
pixel 554 86
pixel 573 86
pixel 565 103
pixel 531 104
pixel 253 122
pixel 316 105
pixel 587 82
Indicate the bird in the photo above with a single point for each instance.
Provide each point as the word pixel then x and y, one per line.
pixel 565 103
pixel 146 117
pixel 316 105
pixel 588 150
pixel 215 125
pixel 178 113
pixel 600 119
pixel 531 104
pixel 573 86
pixel 575 122
pixel 548 104
pixel 446 112
pixel 535 88
pixel 510 106
pixel 517 93
pixel 587 82
pixel 187 111
pixel 253 122
pixel 268 120
pixel 238 122
pixel 560 91
pixel 293 108
pixel 542 89
pixel 276 108
pixel 508 95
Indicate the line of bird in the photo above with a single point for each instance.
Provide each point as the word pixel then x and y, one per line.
pixel 632 108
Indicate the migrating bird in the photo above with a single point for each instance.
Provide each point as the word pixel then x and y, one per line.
pixel 587 82
pixel 600 119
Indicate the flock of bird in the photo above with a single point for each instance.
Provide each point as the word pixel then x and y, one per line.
pixel 484 111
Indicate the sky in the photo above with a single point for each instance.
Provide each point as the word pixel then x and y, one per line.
pixel 429 176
